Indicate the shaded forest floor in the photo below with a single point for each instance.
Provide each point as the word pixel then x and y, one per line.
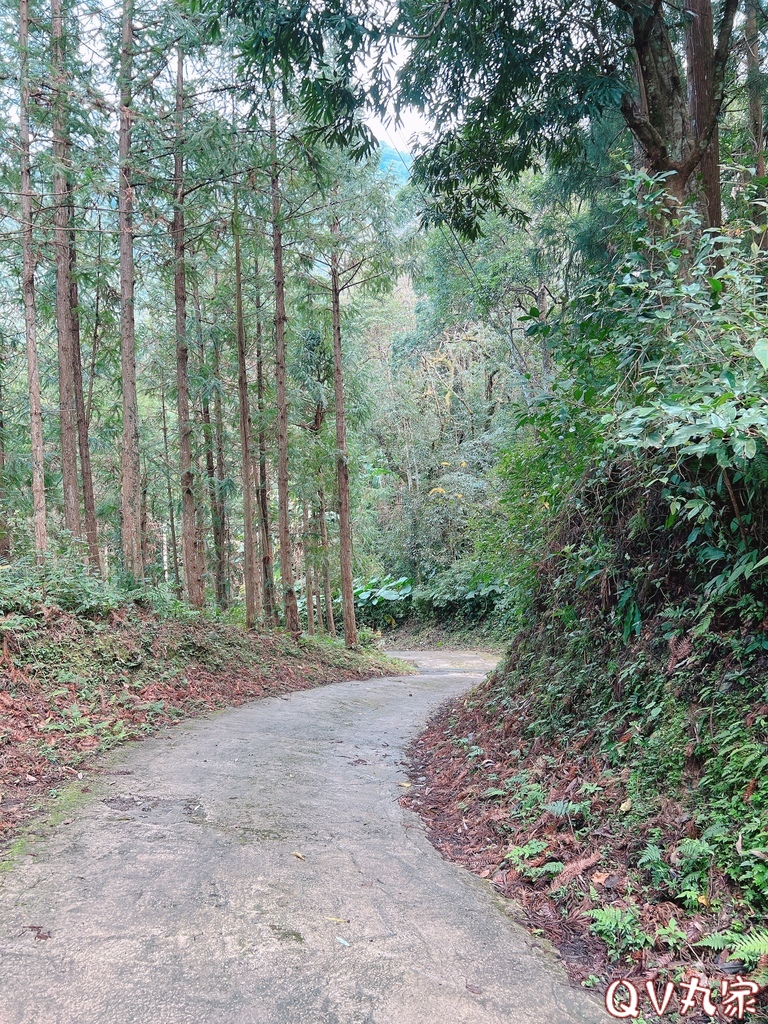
pixel 557 829
pixel 72 687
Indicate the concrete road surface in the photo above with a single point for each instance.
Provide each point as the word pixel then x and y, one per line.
pixel 255 867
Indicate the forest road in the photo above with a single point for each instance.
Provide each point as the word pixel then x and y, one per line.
pixel 255 867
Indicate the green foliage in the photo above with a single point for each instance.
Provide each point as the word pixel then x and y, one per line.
pixel 383 601
pixel 750 949
pixel 620 930
pixel 67 585
pixel 520 858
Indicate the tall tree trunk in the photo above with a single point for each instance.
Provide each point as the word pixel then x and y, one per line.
pixel 171 514
pixel 308 591
pixel 284 526
pixel 130 462
pixel 193 569
pixel 754 89
pixel 64 328
pixel 220 471
pixel 267 570
pixel 319 605
pixel 86 472
pixel 342 458
pixel 329 617
pixel 28 289
pixel 217 517
pixel 5 536
pixel 252 590
pixel 700 46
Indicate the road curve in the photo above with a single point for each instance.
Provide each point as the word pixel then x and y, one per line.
pixel 255 867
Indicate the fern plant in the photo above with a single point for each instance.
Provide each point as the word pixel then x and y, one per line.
pixel 751 949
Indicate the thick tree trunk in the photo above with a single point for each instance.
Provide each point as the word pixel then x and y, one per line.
pixel 283 497
pixel 86 472
pixel 342 460
pixel 131 462
pixel 193 568
pixel 64 329
pixel 250 569
pixel 700 47
pixel 673 133
pixel 329 617
pixel 214 494
pixel 262 490
pixel 755 90
pixel 28 289
pixel 308 590
pixel 171 514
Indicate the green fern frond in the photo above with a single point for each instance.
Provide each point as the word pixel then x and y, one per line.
pixel 753 945
pixel 718 941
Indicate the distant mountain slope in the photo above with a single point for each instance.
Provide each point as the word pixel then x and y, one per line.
pixel 392 161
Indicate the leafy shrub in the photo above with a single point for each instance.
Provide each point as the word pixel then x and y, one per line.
pixel 383 601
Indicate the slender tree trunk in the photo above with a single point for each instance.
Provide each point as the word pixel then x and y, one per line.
pixel 754 89
pixel 284 527
pixel 5 536
pixel 96 327
pixel 249 536
pixel 319 605
pixel 64 329
pixel 193 570
pixel 220 472
pixel 267 570
pixel 329 617
pixel 308 591
pixel 144 516
pixel 701 68
pixel 217 518
pixel 28 289
pixel 171 515
pixel 130 463
pixel 342 459
pixel 86 472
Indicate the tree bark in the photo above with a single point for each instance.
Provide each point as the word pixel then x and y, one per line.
pixel 673 136
pixel 86 471
pixel 329 616
pixel 131 462
pixel 342 457
pixel 214 494
pixel 28 289
pixel 252 590
pixel 283 498
pixel 319 605
pixel 193 570
pixel 754 89
pixel 267 560
pixel 64 329
pixel 220 471
pixel 308 590
pixel 5 536
pixel 171 515
pixel 700 47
